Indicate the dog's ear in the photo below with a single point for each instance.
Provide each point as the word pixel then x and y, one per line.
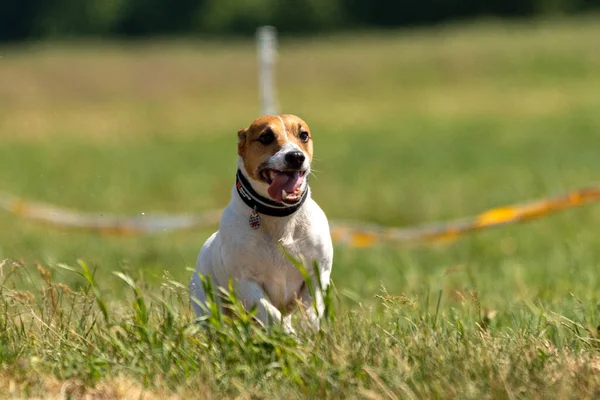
pixel 242 134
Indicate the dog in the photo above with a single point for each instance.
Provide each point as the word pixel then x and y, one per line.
pixel 271 213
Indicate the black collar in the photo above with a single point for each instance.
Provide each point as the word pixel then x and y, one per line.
pixel 263 205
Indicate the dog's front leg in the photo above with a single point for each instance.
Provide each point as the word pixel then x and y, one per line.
pixel 251 294
pixel 314 307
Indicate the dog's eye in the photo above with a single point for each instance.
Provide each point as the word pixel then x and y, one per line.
pixel 267 137
pixel 303 136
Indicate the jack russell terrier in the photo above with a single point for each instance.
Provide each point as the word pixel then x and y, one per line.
pixel 271 208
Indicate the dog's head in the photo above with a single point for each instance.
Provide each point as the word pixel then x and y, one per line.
pixel 276 152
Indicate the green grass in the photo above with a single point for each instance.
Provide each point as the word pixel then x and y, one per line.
pixel 410 127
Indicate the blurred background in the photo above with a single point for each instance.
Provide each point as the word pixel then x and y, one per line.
pixel 136 18
pixel 421 111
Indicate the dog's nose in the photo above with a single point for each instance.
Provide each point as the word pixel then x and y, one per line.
pixel 295 159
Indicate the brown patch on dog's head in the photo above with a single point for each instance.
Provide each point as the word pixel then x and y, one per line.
pixel 268 135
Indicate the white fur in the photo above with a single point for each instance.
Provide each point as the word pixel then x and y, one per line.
pixel 262 275
pixel 287 138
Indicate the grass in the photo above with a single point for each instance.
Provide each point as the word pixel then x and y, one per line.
pixel 410 127
pixel 149 347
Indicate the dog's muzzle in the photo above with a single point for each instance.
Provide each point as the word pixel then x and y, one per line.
pixel 295 159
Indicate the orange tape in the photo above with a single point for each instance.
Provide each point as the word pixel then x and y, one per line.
pixel 353 234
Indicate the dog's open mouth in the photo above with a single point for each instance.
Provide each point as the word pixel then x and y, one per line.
pixel 284 186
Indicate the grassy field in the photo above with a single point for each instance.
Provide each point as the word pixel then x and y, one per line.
pixel 410 127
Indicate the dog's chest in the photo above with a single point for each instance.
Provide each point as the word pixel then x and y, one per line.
pixel 271 267
pixel 259 254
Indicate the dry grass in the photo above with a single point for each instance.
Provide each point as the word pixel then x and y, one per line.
pixel 48 387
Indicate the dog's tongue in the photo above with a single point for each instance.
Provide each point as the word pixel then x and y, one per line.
pixel 288 181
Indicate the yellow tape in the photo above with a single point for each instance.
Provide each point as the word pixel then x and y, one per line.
pixel 361 236
pixel 355 234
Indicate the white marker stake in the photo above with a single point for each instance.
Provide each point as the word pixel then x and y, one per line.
pixel 267 51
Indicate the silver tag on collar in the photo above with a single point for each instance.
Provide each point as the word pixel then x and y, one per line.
pixel 254 219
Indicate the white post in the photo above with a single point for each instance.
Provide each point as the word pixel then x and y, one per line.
pixel 267 51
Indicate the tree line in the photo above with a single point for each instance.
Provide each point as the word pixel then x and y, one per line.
pixel 31 19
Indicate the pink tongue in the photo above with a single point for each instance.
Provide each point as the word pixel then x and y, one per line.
pixel 288 181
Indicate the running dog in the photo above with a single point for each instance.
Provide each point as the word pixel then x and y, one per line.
pixel 271 212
